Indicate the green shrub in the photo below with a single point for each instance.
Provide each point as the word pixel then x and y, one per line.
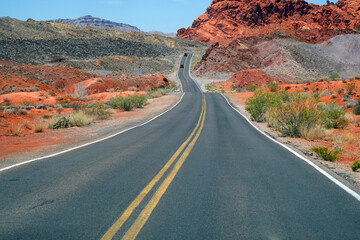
pixel 273 86
pixel 139 100
pixel 357 110
pixel 291 118
pixel 258 105
pixel 334 76
pixel 334 116
pixel 350 87
pixel 251 88
pixel 119 102
pixel 326 154
pixel 62 122
pixel 99 110
pixel 355 166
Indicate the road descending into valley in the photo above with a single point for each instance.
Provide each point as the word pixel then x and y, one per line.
pixel 200 171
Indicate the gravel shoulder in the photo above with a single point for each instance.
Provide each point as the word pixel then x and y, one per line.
pixel 20 149
pixel 340 171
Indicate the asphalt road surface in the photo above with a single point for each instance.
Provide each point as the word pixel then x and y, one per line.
pixel 199 171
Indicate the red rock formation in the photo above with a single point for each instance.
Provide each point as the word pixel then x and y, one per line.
pixel 226 20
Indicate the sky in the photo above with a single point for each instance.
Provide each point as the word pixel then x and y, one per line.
pixel 162 15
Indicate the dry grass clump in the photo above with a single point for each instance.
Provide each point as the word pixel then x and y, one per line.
pixel 40 125
pixel 345 138
pixel 312 133
pixel 351 118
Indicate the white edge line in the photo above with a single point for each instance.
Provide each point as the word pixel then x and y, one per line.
pixel 87 144
pixel 337 182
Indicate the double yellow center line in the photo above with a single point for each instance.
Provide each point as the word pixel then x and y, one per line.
pixel 146 212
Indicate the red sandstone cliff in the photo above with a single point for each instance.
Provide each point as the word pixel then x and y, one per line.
pixel 226 20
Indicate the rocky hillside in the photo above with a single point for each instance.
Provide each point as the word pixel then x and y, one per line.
pixel 90 21
pixel 227 20
pixel 285 57
pixel 91 49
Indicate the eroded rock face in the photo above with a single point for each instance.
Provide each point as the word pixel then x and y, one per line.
pixel 226 20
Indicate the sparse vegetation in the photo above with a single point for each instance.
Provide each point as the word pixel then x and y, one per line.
pixel 334 116
pixel 99 110
pixel 326 154
pixel 350 87
pixel 273 86
pixel 355 166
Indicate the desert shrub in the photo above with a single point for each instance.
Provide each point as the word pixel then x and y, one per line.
pixel 139 100
pixel 99 110
pixel 357 110
pixel 120 102
pixel 291 117
pixel 259 104
pixel 350 87
pixel 158 93
pixel 79 119
pixel 251 88
pixel 326 154
pixel 7 101
pixel 351 104
pixel 313 132
pixel 10 110
pixel 40 125
pixel 334 116
pixel 334 76
pixel 22 112
pixel 273 86
pixel 347 138
pixel 355 166
pixel 62 122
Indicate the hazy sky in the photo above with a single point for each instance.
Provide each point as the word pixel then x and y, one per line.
pixel 148 15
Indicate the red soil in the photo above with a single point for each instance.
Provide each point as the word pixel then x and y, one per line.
pixel 247 78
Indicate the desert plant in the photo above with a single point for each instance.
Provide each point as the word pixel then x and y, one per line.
pixel 273 86
pixel 334 116
pixel 40 125
pixel 139 100
pixel 99 110
pixel 79 119
pixel 326 154
pixel 7 101
pixel 334 76
pixel 313 132
pixel 22 112
pixel 120 102
pixel 357 109
pixel 355 166
pixel 62 122
pixel 350 87
pixel 258 105
pixel 291 117
pixel 347 138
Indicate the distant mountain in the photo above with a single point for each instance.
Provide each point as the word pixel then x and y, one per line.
pixel 90 21
pixel 171 35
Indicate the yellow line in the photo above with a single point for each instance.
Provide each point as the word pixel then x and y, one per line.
pixel 129 210
pixel 146 212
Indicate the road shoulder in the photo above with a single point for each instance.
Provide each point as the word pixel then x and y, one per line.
pixel 16 150
pixel 339 171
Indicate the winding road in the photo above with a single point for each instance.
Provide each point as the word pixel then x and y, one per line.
pixel 200 171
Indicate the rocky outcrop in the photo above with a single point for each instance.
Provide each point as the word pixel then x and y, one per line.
pixel 226 20
pixel 90 21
